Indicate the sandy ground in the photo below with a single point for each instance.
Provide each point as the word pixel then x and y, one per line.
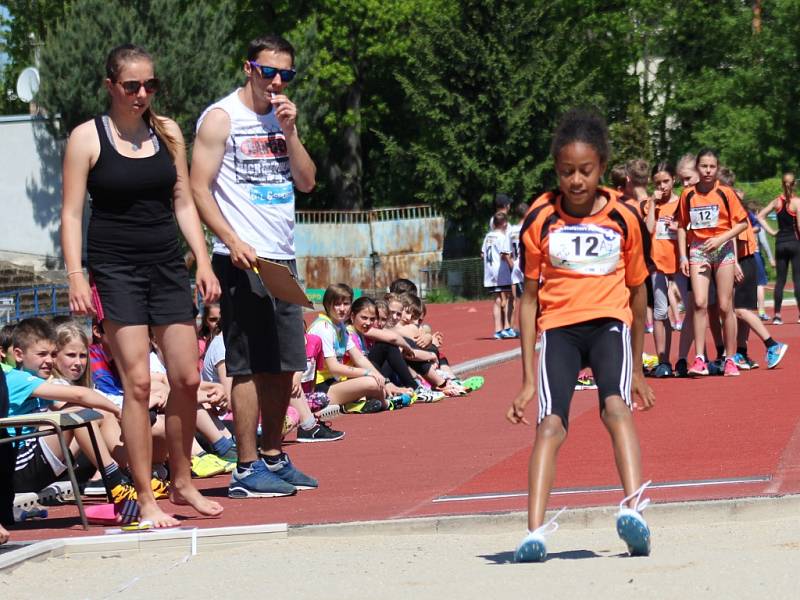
pixel 742 559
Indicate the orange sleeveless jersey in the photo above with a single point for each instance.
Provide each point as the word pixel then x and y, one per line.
pixel 665 239
pixel 709 214
pixel 584 265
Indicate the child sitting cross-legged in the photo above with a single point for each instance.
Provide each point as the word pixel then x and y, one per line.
pixel 40 461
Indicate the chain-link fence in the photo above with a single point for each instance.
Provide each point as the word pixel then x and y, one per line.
pixel 451 279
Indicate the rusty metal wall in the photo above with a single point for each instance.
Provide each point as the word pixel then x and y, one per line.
pixel 335 246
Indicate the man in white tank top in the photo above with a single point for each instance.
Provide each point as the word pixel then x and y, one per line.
pixel 246 163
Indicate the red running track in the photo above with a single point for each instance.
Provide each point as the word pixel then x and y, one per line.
pixel 702 434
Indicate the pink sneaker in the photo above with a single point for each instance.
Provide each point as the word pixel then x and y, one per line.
pixel 700 367
pixel 731 370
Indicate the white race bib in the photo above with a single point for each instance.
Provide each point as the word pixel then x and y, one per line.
pixel 663 231
pixel 586 249
pixel 704 217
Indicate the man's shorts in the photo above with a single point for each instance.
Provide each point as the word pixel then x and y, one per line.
pixel 143 294
pixel 602 344
pixel 724 255
pixel 745 293
pixel 37 466
pixel 262 334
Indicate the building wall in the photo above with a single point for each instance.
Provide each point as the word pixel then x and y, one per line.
pixel 30 192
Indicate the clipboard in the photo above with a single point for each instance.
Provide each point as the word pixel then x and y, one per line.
pixel 281 283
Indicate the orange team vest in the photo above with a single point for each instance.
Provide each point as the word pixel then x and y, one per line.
pixel 665 239
pixel 708 215
pixel 587 264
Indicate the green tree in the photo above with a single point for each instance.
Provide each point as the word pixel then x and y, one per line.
pixel 177 34
pixel 486 84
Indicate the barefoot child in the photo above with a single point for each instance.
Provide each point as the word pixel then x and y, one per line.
pixel 587 249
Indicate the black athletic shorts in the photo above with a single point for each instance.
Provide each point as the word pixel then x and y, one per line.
pixel 651 297
pixel 602 344
pixel 144 294
pixel 745 293
pixel 34 471
pixel 262 334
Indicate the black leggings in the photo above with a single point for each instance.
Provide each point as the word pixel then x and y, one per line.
pixel 388 359
pixel 785 253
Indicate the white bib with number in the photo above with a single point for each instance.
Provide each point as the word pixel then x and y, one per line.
pixel 704 217
pixel 586 249
pixel 663 231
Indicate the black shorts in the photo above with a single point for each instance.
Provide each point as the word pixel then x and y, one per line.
pixel 144 294
pixel 651 297
pixel 34 471
pixel 745 293
pixel 602 344
pixel 262 334
pixel 325 386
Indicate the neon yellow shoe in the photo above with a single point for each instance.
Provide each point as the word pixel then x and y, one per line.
pixel 207 465
pixel 160 488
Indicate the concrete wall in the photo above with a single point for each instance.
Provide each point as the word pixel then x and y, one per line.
pixel 30 192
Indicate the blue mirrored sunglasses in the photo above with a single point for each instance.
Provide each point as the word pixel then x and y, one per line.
pixel 270 72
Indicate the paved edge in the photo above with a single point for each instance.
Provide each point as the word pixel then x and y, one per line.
pixel 486 361
pixel 131 543
pixel 659 515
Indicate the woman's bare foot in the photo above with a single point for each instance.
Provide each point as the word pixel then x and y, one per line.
pixel 191 496
pixel 158 519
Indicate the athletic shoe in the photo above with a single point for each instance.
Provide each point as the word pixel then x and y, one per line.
pixel 160 488
pixel 662 370
pixel 648 328
pixel 730 369
pixel 319 433
pixel 258 481
pixel 764 317
pixel 428 396
pixel 498 335
pixel 207 465
pixel 678 326
pixel 473 383
pixel 126 504
pixel 57 492
pixel 631 527
pixel 753 364
pixel 681 368
pixel 716 367
pixel 289 474
pixel 532 548
pixel 775 354
pixel 372 405
pixel 399 401
pixel 585 383
pixel 509 333
pixel 699 367
pixel 776 320
pixel 741 361
pixel 330 412
pixel 95 488
pixel 231 456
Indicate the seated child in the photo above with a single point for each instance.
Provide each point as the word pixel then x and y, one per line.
pixel 40 461
pixel 345 375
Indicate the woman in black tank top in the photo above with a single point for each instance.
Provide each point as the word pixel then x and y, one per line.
pixel 787 242
pixel 133 164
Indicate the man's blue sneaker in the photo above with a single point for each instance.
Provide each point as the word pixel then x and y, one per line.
pixel 532 548
pixel 258 482
pixel 287 472
pixel 662 370
pixel 775 354
pixel 509 333
pixel 631 526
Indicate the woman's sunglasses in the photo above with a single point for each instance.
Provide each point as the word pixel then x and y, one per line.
pixel 269 72
pixel 132 87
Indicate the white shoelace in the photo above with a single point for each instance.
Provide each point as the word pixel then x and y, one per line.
pixel 640 504
pixel 550 527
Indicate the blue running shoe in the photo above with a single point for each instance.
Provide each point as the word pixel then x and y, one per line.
pixel 740 360
pixel 509 333
pixel 287 472
pixel 258 482
pixel 498 335
pixel 532 548
pixel 662 370
pixel 775 354
pixel 631 527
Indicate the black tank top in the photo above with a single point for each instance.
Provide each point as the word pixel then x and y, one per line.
pixel 787 223
pixel 132 218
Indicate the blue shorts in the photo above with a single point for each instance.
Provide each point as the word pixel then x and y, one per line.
pixel 761 271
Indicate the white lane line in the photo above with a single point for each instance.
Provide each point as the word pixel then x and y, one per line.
pixel 603 489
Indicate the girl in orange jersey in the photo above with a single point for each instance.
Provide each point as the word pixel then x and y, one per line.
pixel 663 226
pixel 583 256
pixel 710 217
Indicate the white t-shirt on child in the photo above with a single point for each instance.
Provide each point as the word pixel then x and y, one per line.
pixel 215 354
pixel 513 240
pixel 496 271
